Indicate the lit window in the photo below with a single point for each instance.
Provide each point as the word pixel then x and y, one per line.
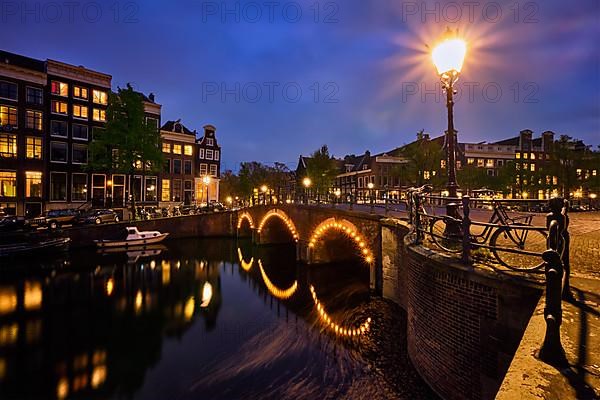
pixel 555 180
pixel 165 194
pixel 33 184
pixel 525 155
pixel 58 152
pixel 80 111
pixel 470 161
pixel 166 147
pixel 79 154
pixel 8 116
pixel 79 187
pixel 532 167
pixel 58 128
pixel 578 171
pixel 8 146
pixel 58 107
pixel 480 162
pixel 8 184
pixel 58 186
pixel 59 88
pixel 176 149
pixel 151 188
pixel 33 120
pixel 34 95
pixel 99 97
pixel 442 164
pixel 80 132
pixel 489 163
pixel 209 154
pixel 188 150
pixel 213 170
pixel 594 172
pixel 8 90
pixel 533 156
pixel 426 175
pixel 80 92
pixel 99 115
pixel 34 147
pixel 518 155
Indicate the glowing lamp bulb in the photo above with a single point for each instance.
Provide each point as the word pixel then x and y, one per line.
pixel 449 55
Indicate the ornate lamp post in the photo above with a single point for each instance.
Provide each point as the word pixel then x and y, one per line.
pixel 370 186
pixel 448 57
pixel 306 182
pixel 264 189
pixel 206 181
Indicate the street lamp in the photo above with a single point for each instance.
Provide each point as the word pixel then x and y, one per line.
pixel 448 57
pixel 370 186
pixel 306 182
pixel 264 189
pixel 206 181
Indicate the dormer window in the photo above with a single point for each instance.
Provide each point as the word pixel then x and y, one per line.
pixel 210 142
pixel 177 128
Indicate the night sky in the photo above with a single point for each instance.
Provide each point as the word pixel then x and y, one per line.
pixel 357 64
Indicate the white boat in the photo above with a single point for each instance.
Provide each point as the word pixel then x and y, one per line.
pixel 133 238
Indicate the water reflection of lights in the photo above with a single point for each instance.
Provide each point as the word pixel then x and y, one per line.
pixel 110 286
pixel 8 300
pixel 281 294
pixel 138 301
pixel 338 329
pixel 188 310
pixel 207 293
pixel 98 376
pixel 9 334
pixel 165 267
pixel 347 229
pixel 62 388
pixel 2 368
pixel 247 217
pixel 245 265
pixel 33 295
pixel 282 216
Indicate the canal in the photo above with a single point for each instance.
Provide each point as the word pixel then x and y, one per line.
pixel 199 319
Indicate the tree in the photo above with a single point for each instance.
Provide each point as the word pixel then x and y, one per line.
pixel 128 144
pixel 471 177
pixel 426 156
pixel 322 170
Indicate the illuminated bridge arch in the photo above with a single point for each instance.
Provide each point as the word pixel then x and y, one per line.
pixel 277 213
pixel 348 229
pixel 281 294
pixel 247 217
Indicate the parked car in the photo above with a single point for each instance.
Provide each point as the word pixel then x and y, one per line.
pixel 99 216
pixel 11 223
pixel 54 219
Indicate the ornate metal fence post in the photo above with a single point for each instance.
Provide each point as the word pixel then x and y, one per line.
pixel 466 228
pixel 417 216
pixel 565 256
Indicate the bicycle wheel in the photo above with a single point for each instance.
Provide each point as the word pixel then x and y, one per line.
pixel 441 237
pixel 509 242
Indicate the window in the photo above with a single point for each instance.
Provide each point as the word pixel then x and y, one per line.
pixel 80 154
pixel 8 116
pixel 489 163
pixel 532 167
pixel 167 166
pixel 470 161
pixel 58 152
pixel 99 115
pixel 33 184
pixel 58 186
pixel 58 107
pixel 58 128
pixel 34 120
pixel 8 146
pixel 188 150
pixel 176 149
pixel 165 194
pixel 213 170
pixel 203 169
pixel 526 155
pixel 490 172
pixel 34 147
pixel 166 147
pixel 152 123
pixel 34 95
pixel 500 163
pixel 59 88
pixel 201 153
pixel 177 166
pixel 150 188
pixel 533 156
pixel 99 97
pixel 210 142
pixel 216 157
pixel 8 184
pixel 80 92
pixel 518 155
pixel 79 187
pixel 480 162
pixel 177 190
pixel 79 132
pixel 187 167
pixel 80 111
pixel 442 164
pixel 209 154
pixel 8 90
pixel 426 175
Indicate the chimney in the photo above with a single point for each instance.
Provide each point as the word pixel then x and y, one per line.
pixel 151 97
pixel 547 141
pixel 525 139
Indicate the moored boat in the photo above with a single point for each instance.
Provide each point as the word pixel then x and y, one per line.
pixel 34 247
pixel 133 237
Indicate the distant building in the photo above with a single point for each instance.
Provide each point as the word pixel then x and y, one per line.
pixel 209 165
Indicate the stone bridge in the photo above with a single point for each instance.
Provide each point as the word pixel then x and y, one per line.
pixel 321 234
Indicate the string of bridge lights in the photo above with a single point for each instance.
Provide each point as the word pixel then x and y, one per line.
pixel 349 231
pixel 287 221
pixel 245 216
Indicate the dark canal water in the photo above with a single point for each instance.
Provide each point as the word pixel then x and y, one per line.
pixel 192 321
